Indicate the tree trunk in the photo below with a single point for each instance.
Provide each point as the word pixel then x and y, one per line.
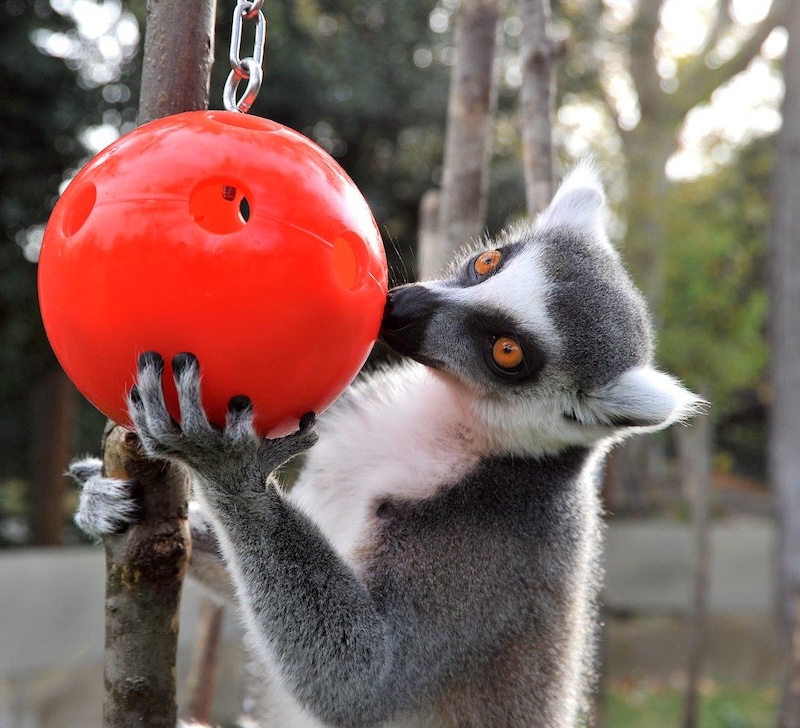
pixel 434 250
pixel 784 332
pixel 789 712
pixel 178 54
pixel 695 448
pixel 145 567
pixel 470 107
pixel 203 668
pixel 55 408
pixel 537 98
pixel 144 574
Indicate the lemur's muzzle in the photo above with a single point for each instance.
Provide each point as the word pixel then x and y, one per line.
pixel 406 317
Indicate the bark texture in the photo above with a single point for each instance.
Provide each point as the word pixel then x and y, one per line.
pixel 144 575
pixel 178 53
pixel 145 566
pixel 470 108
pixel 537 98
pixel 784 330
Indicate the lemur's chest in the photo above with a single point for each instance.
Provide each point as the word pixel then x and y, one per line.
pixel 404 449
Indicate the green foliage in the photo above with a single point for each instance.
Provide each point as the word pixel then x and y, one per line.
pixel 714 311
pixel 42 110
pixel 721 706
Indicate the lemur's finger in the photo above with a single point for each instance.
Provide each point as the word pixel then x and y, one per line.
pixel 81 470
pixel 239 419
pixel 186 370
pixel 307 421
pixel 306 435
pixel 150 391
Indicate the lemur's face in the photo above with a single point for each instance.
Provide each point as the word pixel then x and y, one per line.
pixel 543 320
pixel 550 305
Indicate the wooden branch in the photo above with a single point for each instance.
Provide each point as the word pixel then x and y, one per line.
pixel 722 23
pixel 470 108
pixel 695 448
pixel 537 98
pixel 643 68
pixel 178 53
pixel 145 567
pixel 783 455
pixel 144 574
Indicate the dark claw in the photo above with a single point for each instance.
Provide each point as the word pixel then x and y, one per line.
pixel 239 403
pixel 307 421
pixel 181 362
pixel 151 358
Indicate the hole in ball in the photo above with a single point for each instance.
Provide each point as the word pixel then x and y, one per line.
pixel 244 209
pixel 219 206
pixel 349 264
pixel 81 203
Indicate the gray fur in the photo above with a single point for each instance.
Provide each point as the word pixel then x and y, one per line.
pixel 463 596
pixel 601 317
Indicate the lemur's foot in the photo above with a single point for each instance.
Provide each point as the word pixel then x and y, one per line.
pixel 235 457
pixel 107 506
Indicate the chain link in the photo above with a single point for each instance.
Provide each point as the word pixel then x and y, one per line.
pixel 248 68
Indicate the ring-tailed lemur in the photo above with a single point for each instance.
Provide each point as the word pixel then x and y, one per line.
pixel 437 563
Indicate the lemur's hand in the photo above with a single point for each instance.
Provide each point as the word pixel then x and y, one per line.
pixel 228 461
pixel 107 506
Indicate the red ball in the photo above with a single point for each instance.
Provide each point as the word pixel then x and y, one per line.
pixel 225 235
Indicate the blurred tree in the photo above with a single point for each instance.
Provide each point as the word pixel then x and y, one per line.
pixel 629 78
pixel 42 112
pixel 784 333
pixel 458 210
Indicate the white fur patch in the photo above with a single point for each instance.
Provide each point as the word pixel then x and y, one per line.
pixel 579 203
pixel 520 289
pixel 401 433
pixel 645 395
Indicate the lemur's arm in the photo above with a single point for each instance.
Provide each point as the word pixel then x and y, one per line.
pixel 309 609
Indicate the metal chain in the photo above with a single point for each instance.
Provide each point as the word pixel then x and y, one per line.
pixel 248 68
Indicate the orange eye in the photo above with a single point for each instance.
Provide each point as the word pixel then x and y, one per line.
pixel 507 353
pixel 487 262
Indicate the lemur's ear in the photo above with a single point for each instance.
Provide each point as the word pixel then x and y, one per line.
pixel 642 398
pixel 579 202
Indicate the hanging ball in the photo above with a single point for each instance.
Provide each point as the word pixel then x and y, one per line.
pixel 225 235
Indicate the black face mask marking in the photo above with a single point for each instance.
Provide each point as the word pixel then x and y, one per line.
pixel 406 318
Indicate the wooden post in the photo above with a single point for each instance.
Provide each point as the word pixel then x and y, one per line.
pixel 178 53
pixel 145 566
pixel 203 667
pixel 467 145
pixel 536 100
pixel 695 448
pixel 144 575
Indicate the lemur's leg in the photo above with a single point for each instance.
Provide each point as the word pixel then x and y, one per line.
pixel 108 506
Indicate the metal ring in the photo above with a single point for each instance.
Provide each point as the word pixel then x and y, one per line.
pixel 259 41
pixel 254 78
pixel 254 7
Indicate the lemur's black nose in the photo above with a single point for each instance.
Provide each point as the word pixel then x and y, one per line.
pixel 406 316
